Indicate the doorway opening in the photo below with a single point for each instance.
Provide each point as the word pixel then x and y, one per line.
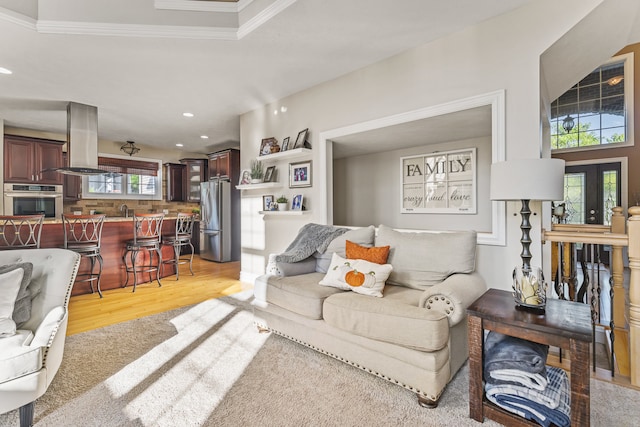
pixel 591 191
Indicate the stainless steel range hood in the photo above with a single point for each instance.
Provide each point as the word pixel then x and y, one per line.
pixel 82 140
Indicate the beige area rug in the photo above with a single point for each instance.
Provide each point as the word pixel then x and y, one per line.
pixel 206 365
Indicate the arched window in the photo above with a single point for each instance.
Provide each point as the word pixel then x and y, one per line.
pixel 598 111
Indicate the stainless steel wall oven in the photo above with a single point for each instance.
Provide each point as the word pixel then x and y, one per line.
pixel 29 199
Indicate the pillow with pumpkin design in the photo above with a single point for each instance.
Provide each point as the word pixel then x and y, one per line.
pixel 357 275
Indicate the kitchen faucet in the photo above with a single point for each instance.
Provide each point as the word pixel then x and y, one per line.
pixel 125 209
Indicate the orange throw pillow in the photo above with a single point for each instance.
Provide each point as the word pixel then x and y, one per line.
pixel 378 254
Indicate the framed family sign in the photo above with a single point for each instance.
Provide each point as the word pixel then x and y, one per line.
pixel 441 182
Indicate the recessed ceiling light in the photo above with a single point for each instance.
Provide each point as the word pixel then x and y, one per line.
pixel 179 145
pixel 204 137
pixel 187 114
pixel 5 71
pixel 275 112
pixel 283 109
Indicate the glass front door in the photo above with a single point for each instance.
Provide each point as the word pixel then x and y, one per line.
pixel 590 192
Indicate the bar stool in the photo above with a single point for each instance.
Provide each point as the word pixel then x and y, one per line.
pixel 147 229
pixel 82 234
pixel 20 231
pixel 181 238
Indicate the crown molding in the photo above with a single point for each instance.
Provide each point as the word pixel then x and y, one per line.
pixel 134 30
pixel 202 6
pixel 143 30
pixel 18 18
pixel 265 15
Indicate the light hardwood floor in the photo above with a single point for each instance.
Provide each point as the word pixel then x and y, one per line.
pixel 210 280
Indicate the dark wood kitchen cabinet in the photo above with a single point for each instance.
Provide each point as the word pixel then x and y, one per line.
pixel 27 159
pixel 196 172
pixel 176 173
pixel 225 165
pixel 72 187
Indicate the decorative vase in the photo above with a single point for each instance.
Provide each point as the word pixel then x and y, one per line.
pixel 256 181
pixel 529 288
pixel 283 206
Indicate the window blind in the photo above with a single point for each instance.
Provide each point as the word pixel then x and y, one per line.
pixel 134 167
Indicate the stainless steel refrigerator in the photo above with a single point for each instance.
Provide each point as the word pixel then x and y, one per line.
pixel 216 222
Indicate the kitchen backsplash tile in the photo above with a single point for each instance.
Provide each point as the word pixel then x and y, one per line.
pixel 111 207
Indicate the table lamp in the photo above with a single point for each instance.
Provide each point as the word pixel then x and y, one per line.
pixel 526 180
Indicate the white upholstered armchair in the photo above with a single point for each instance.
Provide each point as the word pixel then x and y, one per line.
pixel 31 356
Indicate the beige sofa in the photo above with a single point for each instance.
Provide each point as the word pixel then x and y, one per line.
pixel 414 336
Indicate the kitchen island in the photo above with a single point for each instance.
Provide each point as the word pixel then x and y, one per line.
pixel 115 232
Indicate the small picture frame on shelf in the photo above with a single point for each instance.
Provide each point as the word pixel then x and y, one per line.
pixel 245 177
pixel 268 202
pixel 300 174
pixel 270 174
pixel 300 140
pixel 269 146
pixel 296 202
pixel 285 144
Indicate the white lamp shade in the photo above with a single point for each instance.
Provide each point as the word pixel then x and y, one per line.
pixel 527 179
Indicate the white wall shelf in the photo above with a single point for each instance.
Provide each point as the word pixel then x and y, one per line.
pixel 262 185
pixel 289 154
pixel 283 212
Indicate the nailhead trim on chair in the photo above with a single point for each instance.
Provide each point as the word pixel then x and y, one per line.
pixel 50 341
pixel 384 377
pixel 73 279
pixel 66 308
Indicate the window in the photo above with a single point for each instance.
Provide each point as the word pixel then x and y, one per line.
pixel 109 183
pixel 597 111
pixel 574 195
pixel 141 184
pixel 124 178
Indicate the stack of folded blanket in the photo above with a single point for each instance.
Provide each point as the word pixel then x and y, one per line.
pixel 517 380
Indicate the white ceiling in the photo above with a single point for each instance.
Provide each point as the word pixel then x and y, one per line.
pixel 143 67
pixel 458 126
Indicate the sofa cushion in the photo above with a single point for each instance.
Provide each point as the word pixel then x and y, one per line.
pixel 299 294
pixel 396 320
pixel 363 236
pixel 9 290
pixel 377 254
pixel 421 260
pixel 363 277
pixel 17 357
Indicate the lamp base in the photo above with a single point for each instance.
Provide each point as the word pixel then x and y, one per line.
pixel 529 288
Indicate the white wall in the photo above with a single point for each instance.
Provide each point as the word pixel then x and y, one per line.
pixel 502 53
pixel 366 190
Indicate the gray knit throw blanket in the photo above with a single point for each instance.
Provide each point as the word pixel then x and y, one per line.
pixel 310 238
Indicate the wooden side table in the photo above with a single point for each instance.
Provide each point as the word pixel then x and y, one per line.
pixel 564 324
